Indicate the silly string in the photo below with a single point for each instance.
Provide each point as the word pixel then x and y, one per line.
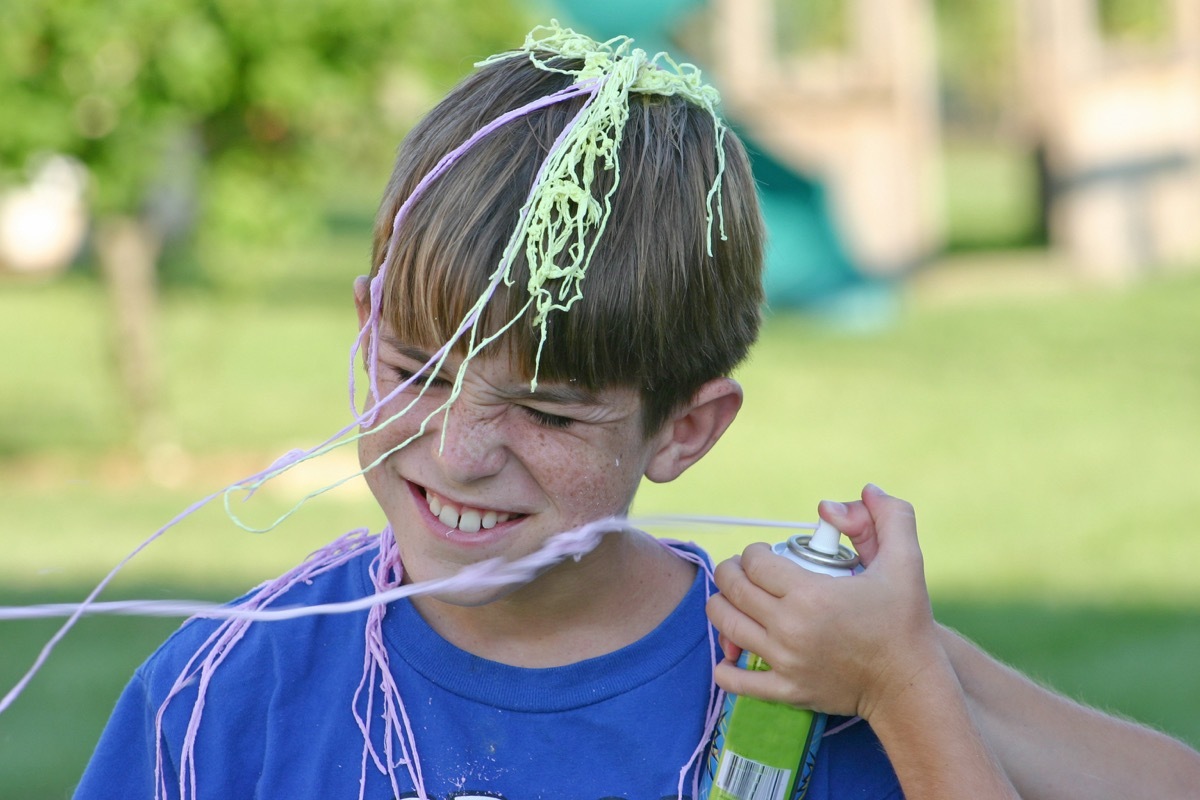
pixel 560 214
pixel 562 207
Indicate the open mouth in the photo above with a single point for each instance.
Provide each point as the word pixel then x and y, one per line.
pixel 466 519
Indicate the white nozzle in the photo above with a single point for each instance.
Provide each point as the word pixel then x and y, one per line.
pixel 825 539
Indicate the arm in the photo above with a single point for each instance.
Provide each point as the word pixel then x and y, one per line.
pixel 1050 747
pixel 1056 749
pixel 866 646
pixel 932 742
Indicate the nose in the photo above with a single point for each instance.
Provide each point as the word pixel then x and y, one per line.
pixel 469 446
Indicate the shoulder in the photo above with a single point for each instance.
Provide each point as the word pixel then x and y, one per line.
pixel 689 551
pixel 248 680
pixel 202 644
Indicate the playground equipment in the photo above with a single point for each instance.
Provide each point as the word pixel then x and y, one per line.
pixel 1119 131
pixel 845 141
pixel 843 145
pixel 863 121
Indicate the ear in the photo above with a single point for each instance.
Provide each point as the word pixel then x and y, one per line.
pixel 362 299
pixel 694 428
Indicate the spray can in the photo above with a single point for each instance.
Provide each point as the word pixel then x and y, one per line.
pixel 766 750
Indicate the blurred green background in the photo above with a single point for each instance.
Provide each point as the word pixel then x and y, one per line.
pixel 1046 429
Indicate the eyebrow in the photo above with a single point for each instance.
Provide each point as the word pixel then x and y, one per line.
pixel 556 392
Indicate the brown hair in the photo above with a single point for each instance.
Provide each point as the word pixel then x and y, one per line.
pixel 658 313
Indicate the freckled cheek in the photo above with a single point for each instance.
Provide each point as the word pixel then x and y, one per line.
pixel 377 444
pixel 397 422
pixel 370 449
pixel 590 488
pixel 374 443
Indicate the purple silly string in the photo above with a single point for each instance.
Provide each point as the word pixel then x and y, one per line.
pixel 366 418
pixel 371 326
pixel 399 746
pixel 82 608
pixel 200 668
pixel 842 727
pixel 716 696
pixel 387 575
pixel 491 574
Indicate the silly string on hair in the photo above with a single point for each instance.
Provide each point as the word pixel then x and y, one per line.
pixel 562 207
pixel 560 216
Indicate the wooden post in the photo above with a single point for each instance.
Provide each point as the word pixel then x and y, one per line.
pixel 863 122
pixel 1121 137
pixel 128 250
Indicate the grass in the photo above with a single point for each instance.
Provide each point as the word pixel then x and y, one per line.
pixel 46 738
pixel 1048 438
pixel 1049 443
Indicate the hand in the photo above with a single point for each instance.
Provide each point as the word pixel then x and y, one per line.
pixel 840 645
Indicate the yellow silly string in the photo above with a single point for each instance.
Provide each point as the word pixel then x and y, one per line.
pixel 562 208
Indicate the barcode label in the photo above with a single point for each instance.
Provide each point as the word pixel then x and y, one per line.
pixel 744 779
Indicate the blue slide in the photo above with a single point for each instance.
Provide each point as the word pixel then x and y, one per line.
pixel 808 265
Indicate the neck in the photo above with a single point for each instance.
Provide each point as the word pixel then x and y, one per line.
pixel 607 600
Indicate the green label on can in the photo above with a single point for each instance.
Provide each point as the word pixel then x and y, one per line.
pixel 765 745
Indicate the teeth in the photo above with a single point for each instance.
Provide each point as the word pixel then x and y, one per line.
pixel 467 520
pixel 449 516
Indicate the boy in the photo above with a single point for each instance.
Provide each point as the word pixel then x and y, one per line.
pixel 511 404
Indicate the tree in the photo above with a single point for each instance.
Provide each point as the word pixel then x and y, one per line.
pixel 218 112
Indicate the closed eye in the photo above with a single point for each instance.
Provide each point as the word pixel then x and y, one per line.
pixel 407 375
pixel 547 420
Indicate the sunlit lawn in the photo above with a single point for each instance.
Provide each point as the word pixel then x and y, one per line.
pixel 1050 440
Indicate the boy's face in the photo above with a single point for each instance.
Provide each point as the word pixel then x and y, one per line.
pixel 506 468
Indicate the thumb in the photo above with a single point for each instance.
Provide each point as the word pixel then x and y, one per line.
pixel 856 522
pixel 895 525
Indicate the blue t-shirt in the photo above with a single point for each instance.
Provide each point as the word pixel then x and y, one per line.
pixel 278 719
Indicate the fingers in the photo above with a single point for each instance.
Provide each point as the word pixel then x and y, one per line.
pixel 732 651
pixel 875 521
pixel 751 586
pixel 772 573
pixel 854 520
pixel 736 610
pixel 760 592
pixel 895 524
pixel 837 645
pixel 763 684
pixel 738 630
pixel 741 578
